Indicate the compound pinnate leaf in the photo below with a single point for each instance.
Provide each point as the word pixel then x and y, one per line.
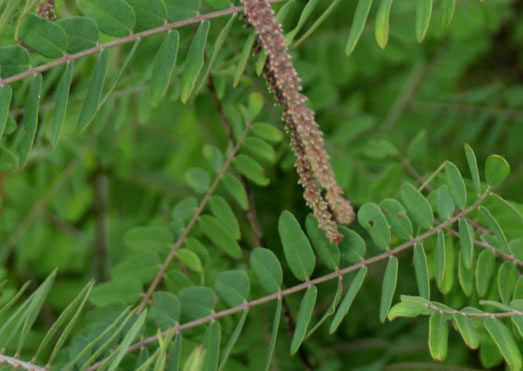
pixel 13 59
pixel 197 302
pixel 422 271
pixel 346 303
pixel 496 170
pixel 223 212
pixel 127 290
pixel 214 230
pixel 164 310
pixel 114 17
pixel 456 184
pixel 328 252
pixel 374 221
pixel 358 23
pixel 352 247
pixel 194 61
pixel 163 67
pixel 235 188
pixel 44 37
pixel 94 91
pixel 251 169
pixel 397 217
pixel 30 123
pixel 423 15
pixel 62 97
pixel 472 161
pixel 417 205
pixel 212 345
pixel 232 287
pixel 444 202
pixel 388 288
pixel 267 269
pixel 304 317
pixel 382 23
pixel 438 336
pixel 505 342
pixel 296 246
pixel 6 92
pixel 82 33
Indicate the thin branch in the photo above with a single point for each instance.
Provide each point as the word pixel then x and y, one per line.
pixel 130 38
pixel 305 285
pixel 192 222
pixel 475 315
pixel 17 363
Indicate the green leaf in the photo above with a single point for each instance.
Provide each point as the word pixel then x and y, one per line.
pixel 423 14
pixel 466 241
pixel 165 310
pixel 382 23
pixel 494 226
pixel 8 161
pixel 485 268
pixel 255 105
pixel 465 277
pixel 417 206
pixel 346 303
pixel 232 287
pixel 390 280
pixel 223 212
pixel 304 317
pixel 466 329
pixel 372 219
pixel 128 291
pixel 444 203
pixel 328 252
pixel 449 274
pixel 251 169
pixel 82 33
pixel 232 339
pixel 149 13
pixel 408 308
pixel 259 149
pixel 447 12
pixel 507 277
pixel 30 123
pixel 296 247
pixel 438 336
pixel 163 66
pixel 157 239
pixel 214 156
pixel 113 17
pixel 358 23
pixel 142 266
pixel 178 10
pixel 267 132
pixel 194 61
pixel 6 92
pixel 43 36
pixel 352 247
pixel 62 97
pixel 212 345
pixel 197 302
pixel 214 230
pixel 244 58
pixel 422 271
pixel 128 340
pixel 274 334
pixel 94 91
pixel 198 179
pixel 496 170
pixel 235 188
pixel 397 217
pixel 13 59
pixel 505 342
pixel 440 259
pixel 190 259
pixel 456 184
pixel 267 269
pixel 469 152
